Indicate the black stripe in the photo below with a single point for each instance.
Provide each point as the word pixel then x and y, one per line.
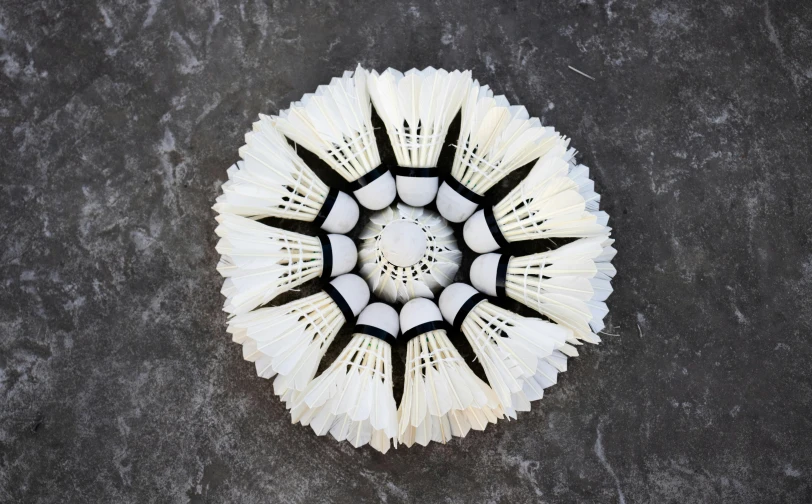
pixel 432 325
pixel 466 308
pixel 376 332
pixel 340 301
pixel 501 275
pixel 327 255
pixel 408 171
pixel 324 211
pixel 463 191
pixel 490 219
pixel 369 178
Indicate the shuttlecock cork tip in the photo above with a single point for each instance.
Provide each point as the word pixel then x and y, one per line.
pixel 417 191
pixel 403 243
pixel 378 193
pixel 340 255
pixel 353 290
pixel 452 205
pixel 381 316
pixel 484 273
pixel 478 235
pixel 342 215
pixel 453 298
pixel 418 311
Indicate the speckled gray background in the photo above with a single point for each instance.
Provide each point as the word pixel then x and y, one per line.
pixel 117 122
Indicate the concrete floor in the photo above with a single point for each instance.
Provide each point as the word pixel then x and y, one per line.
pixel 117 123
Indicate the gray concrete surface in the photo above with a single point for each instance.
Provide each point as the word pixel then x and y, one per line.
pixel 117 122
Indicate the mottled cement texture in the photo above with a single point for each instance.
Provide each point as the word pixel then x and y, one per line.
pixel 118 121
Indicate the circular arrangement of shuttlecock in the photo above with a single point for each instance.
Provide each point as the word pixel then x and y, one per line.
pixel 408 258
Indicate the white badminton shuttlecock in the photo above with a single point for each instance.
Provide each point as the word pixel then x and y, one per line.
pixel 495 139
pixel 260 262
pixel 407 252
pixel 442 397
pixel 353 398
pixel 417 109
pixel 273 181
pixel 335 124
pixel 546 204
pixel 288 341
pixel 569 284
pixel 521 356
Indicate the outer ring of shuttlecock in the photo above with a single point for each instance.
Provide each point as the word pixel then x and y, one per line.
pixel 419 262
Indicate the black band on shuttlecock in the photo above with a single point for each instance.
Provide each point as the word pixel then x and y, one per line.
pixel 327 255
pixel 432 325
pixel 325 209
pixel 376 332
pixel 409 171
pixel 490 219
pixel 369 178
pixel 463 191
pixel 466 309
pixel 501 275
pixel 339 300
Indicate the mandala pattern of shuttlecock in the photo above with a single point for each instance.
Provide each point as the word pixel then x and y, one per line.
pixel 521 356
pixel 428 276
pixel 417 109
pixel 288 341
pixel 497 138
pixel 272 180
pixel 569 284
pixel 352 399
pixel 442 397
pixel 335 123
pixel 260 262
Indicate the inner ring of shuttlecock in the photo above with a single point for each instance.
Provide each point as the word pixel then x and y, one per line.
pixel 403 243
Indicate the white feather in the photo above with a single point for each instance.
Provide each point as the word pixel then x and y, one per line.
pixel 354 394
pixel 441 393
pixel 260 262
pixel 272 180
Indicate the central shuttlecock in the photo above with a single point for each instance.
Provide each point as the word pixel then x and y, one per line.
pixel 408 252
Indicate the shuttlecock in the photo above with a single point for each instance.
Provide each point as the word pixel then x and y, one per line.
pixel 442 397
pixel 335 124
pixel 521 356
pixel 569 284
pixel 288 341
pixel 260 262
pixel 417 109
pixel 273 181
pixel 546 204
pixel 353 398
pixel 407 252
pixel 495 139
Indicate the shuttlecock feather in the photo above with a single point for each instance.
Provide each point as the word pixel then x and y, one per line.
pixel 335 124
pixel 260 262
pixel 442 397
pixel 353 398
pixel 417 109
pixel 495 139
pixel 546 204
pixel 273 181
pixel 521 356
pixel 569 284
pixel 288 341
